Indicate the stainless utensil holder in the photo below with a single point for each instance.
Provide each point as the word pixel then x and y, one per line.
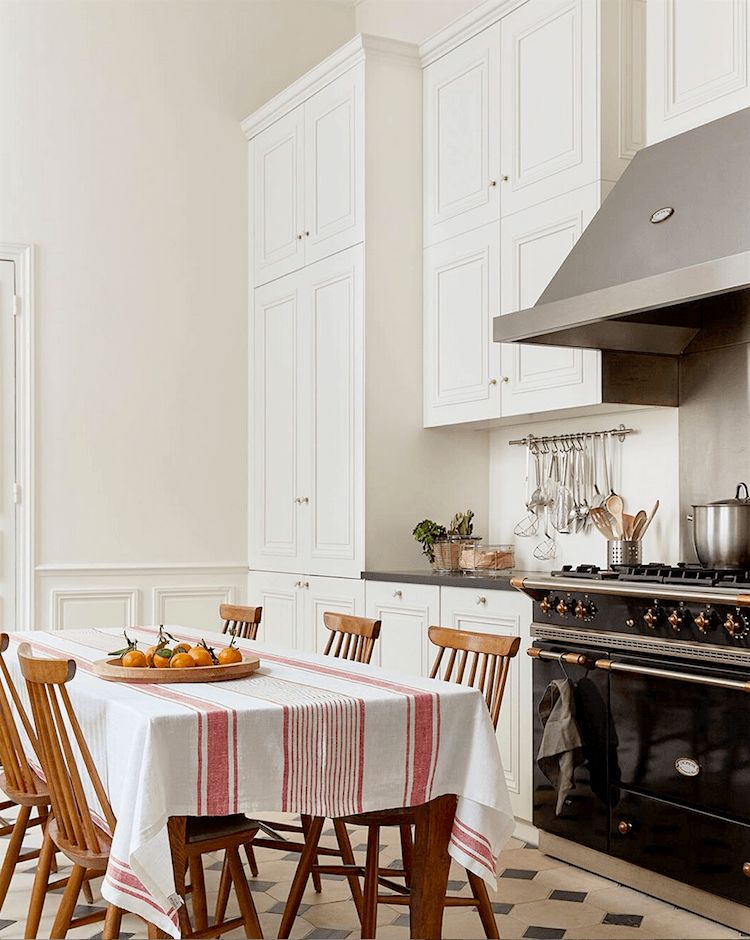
pixel 623 552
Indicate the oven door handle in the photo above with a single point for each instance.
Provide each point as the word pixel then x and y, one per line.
pixel 612 666
pixel 572 659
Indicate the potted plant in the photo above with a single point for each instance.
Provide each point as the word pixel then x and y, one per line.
pixel 443 545
pixel 427 533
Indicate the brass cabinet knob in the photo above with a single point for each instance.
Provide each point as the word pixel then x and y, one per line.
pixel 481 599
pixel 746 869
pixel 562 607
pixel 546 604
pixel 624 827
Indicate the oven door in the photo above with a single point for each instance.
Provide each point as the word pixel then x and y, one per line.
pixel 584 816
pixel 682 732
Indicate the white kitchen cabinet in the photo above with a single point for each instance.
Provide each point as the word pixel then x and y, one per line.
pixel 277 159
pixel 307 451
pixel 534 243
pixel 549 61
pixel 462 138
pixel 697 59
pixel 461 296
pixel 406 612
pixel 294 604
pixel 507 613
pixel 334 166
pixel 307 180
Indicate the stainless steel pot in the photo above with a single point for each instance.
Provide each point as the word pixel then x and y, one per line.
pixel 721 531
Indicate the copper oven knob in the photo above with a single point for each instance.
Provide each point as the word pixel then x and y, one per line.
pixel 650 618
pixel 675 620
pixel 624 827
pixel 562 607
pixel 736 625
pixel 581 610
pixel 546 604
pixel 746 869
pixel 703 620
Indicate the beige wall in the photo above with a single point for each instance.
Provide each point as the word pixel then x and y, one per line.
pixel 122 160
pixel 410 20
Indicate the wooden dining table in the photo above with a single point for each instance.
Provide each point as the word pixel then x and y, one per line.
pixel 305 734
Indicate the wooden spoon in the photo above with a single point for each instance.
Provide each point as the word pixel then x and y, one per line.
pixel 648 521
pixel 614 506
pixel 638 523
pixel 628 523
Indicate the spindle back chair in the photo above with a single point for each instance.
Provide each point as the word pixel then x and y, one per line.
pixel 243 622
pixel 351 638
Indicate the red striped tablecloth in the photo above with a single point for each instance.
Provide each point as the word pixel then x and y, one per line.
pixel 305 734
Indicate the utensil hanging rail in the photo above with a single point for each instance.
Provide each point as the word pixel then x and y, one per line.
pixel 620 433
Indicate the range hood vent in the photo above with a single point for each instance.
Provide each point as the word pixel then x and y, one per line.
pixel 674 231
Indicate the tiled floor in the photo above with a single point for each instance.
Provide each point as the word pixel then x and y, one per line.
pixel 537 897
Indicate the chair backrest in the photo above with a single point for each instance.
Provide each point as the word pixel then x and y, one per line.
pixel 490 657
pixel 241 621
pixel 354 637
pixel 53 715
pixel 19 776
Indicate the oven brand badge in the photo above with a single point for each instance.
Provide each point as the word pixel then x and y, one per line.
pixel 687 766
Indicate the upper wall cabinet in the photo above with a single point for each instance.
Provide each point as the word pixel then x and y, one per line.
pixel 462 138
pixel 697 54
pixel 307 169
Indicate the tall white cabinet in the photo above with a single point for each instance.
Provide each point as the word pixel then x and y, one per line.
pixel 527 125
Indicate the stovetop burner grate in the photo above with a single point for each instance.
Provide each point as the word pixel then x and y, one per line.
pixel 659 573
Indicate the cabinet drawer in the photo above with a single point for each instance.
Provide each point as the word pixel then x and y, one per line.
pixel 406 612
pixel 693 847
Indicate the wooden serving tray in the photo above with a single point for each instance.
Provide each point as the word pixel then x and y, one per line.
pixel 112 671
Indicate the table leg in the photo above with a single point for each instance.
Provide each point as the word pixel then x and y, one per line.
pixel 430 866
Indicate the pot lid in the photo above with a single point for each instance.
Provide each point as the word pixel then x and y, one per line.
pixel 737 500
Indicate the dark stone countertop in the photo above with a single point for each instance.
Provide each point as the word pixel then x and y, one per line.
pixel 498 582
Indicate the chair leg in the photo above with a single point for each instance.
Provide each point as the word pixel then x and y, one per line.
pixel 112 921
pixel 305 821
pixel 484 906
pixel 68 903
pixel 39 891
pixel 198 883
pixel 87 892
pixel 299 881
pixel 13 851
pixel 370 912
pixel 244 897
pixel 250 855
pixel 222 898
pixel 407 846
pixel 347 857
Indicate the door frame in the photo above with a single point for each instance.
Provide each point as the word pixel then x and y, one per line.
pixel 22 257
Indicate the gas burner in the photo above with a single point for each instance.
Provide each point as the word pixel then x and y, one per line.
pixel 584 571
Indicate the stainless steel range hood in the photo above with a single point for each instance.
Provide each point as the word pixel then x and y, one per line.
pixel 673 231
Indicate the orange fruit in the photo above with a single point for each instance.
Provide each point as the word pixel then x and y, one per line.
pixel 134 659
pixel 150 654
pixel 182 648
pixel 162 657
pixel 181 661
pixel 200 656
pixel 229 655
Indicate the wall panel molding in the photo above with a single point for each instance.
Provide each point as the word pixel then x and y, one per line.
pixel 103 601
pixel 222 594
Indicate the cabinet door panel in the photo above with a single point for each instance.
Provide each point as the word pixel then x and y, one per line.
pixel 462 138
pixel 339 595
pixel 275 541
pixel 335 414
pixel 549 71
pixel 462 293
pixel 282 598
pixel 278 198
pixel 504 614
pixel 534 244
pixel 406 611
pixel 334 166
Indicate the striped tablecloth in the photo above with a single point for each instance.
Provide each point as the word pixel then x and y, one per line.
pixel 305 734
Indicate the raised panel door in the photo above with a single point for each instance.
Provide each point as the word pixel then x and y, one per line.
pixel 278 198
pixel 332 440
pixel 275 541
pixel 462 137
pixel 334 166
pixel 461 295
pixel 549 81
pixel 282 598
pixel 406 611
pixel 534 243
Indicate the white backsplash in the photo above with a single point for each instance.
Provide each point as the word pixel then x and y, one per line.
pixel 645 469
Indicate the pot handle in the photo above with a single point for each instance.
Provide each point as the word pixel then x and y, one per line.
pixel 690 519
pixel 747 492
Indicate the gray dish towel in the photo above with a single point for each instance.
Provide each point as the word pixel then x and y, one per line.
pixel 561 750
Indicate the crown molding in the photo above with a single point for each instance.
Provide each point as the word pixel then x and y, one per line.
pixel 343 59
pixel 466 26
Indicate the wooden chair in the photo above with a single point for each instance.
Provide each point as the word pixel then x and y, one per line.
pixel 351 638
pixel 243 622
pixel 480 660
pixel 74 832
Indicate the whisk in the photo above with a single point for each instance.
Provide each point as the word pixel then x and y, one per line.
pixel 529 525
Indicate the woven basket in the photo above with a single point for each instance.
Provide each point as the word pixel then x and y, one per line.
pixel 448 554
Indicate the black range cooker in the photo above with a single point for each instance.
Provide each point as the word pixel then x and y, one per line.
pixel 660 661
